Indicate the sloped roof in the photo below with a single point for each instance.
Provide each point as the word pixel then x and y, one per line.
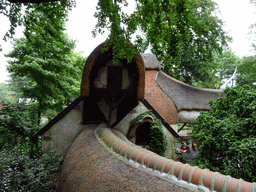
pixel 186 97
pixel 169 96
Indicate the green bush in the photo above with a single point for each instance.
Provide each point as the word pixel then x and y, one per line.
pixel 158 143
pixel 50 114
pixel 18 124
pixel 226 134
pixel 20 172
pixel 23 167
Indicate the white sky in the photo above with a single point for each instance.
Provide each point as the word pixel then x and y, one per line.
pixel 237 16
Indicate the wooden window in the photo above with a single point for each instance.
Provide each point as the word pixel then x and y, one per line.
pixel 115 75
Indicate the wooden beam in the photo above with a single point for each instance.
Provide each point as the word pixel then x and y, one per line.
pixel 170 129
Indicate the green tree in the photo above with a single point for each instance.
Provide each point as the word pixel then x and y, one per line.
pixel 16 83
pixel 184 34
pixel 228 62
pixel 44 57
pixel 226 134
pixel 14 12
pixel 247 71
pixel 224 66
pixel 77 60
pixel 6 94
pixel 196 63
pixel 20 172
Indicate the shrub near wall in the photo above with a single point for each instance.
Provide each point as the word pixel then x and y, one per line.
pixel 23 167
pixel 20 172
pixel 226 134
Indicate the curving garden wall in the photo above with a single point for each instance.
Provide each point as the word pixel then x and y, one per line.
pixel 213 181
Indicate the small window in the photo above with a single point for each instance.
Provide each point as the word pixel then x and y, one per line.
pixel 91 112
pixel 115 75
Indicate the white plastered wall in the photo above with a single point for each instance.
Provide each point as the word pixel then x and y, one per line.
pixel 62 134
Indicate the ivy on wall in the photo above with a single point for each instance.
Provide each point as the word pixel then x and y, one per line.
pixel 158 142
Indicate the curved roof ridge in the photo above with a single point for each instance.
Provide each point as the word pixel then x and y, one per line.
pixel 184 96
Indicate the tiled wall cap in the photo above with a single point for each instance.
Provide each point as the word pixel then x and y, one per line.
pixel 153 161
pixel 131 150
pixel 191 173
pixel 182 171
pixel 202 176
pixel 143 159
pixel 239 185
pixel 156 163
pixel 215 181
pixel 137 156
pixel 140 157
pixel 254 186
pixel 120 150
pixel 115 144
pixel 172 169
pixel 225 183
pixel 118 147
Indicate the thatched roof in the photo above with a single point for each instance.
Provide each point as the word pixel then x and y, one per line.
pixel 91 61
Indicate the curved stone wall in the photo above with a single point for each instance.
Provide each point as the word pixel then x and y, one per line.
pixel 214 181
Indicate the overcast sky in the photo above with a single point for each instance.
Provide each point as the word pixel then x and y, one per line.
pixel 237 16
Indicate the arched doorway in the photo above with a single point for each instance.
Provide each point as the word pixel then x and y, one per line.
pixel 142 136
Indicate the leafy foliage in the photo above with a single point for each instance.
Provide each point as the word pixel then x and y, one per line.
pixel 224 66
pixel 43 67
pixel 158 143
pixel 23 167
pixel 14 12
pixel 142 115
pixel 184 34
pixel 247 72
pixel 6 94
pixel 18 125
pixel 20 172
pixel 228 62
pixel 226 134
pixel 110 16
